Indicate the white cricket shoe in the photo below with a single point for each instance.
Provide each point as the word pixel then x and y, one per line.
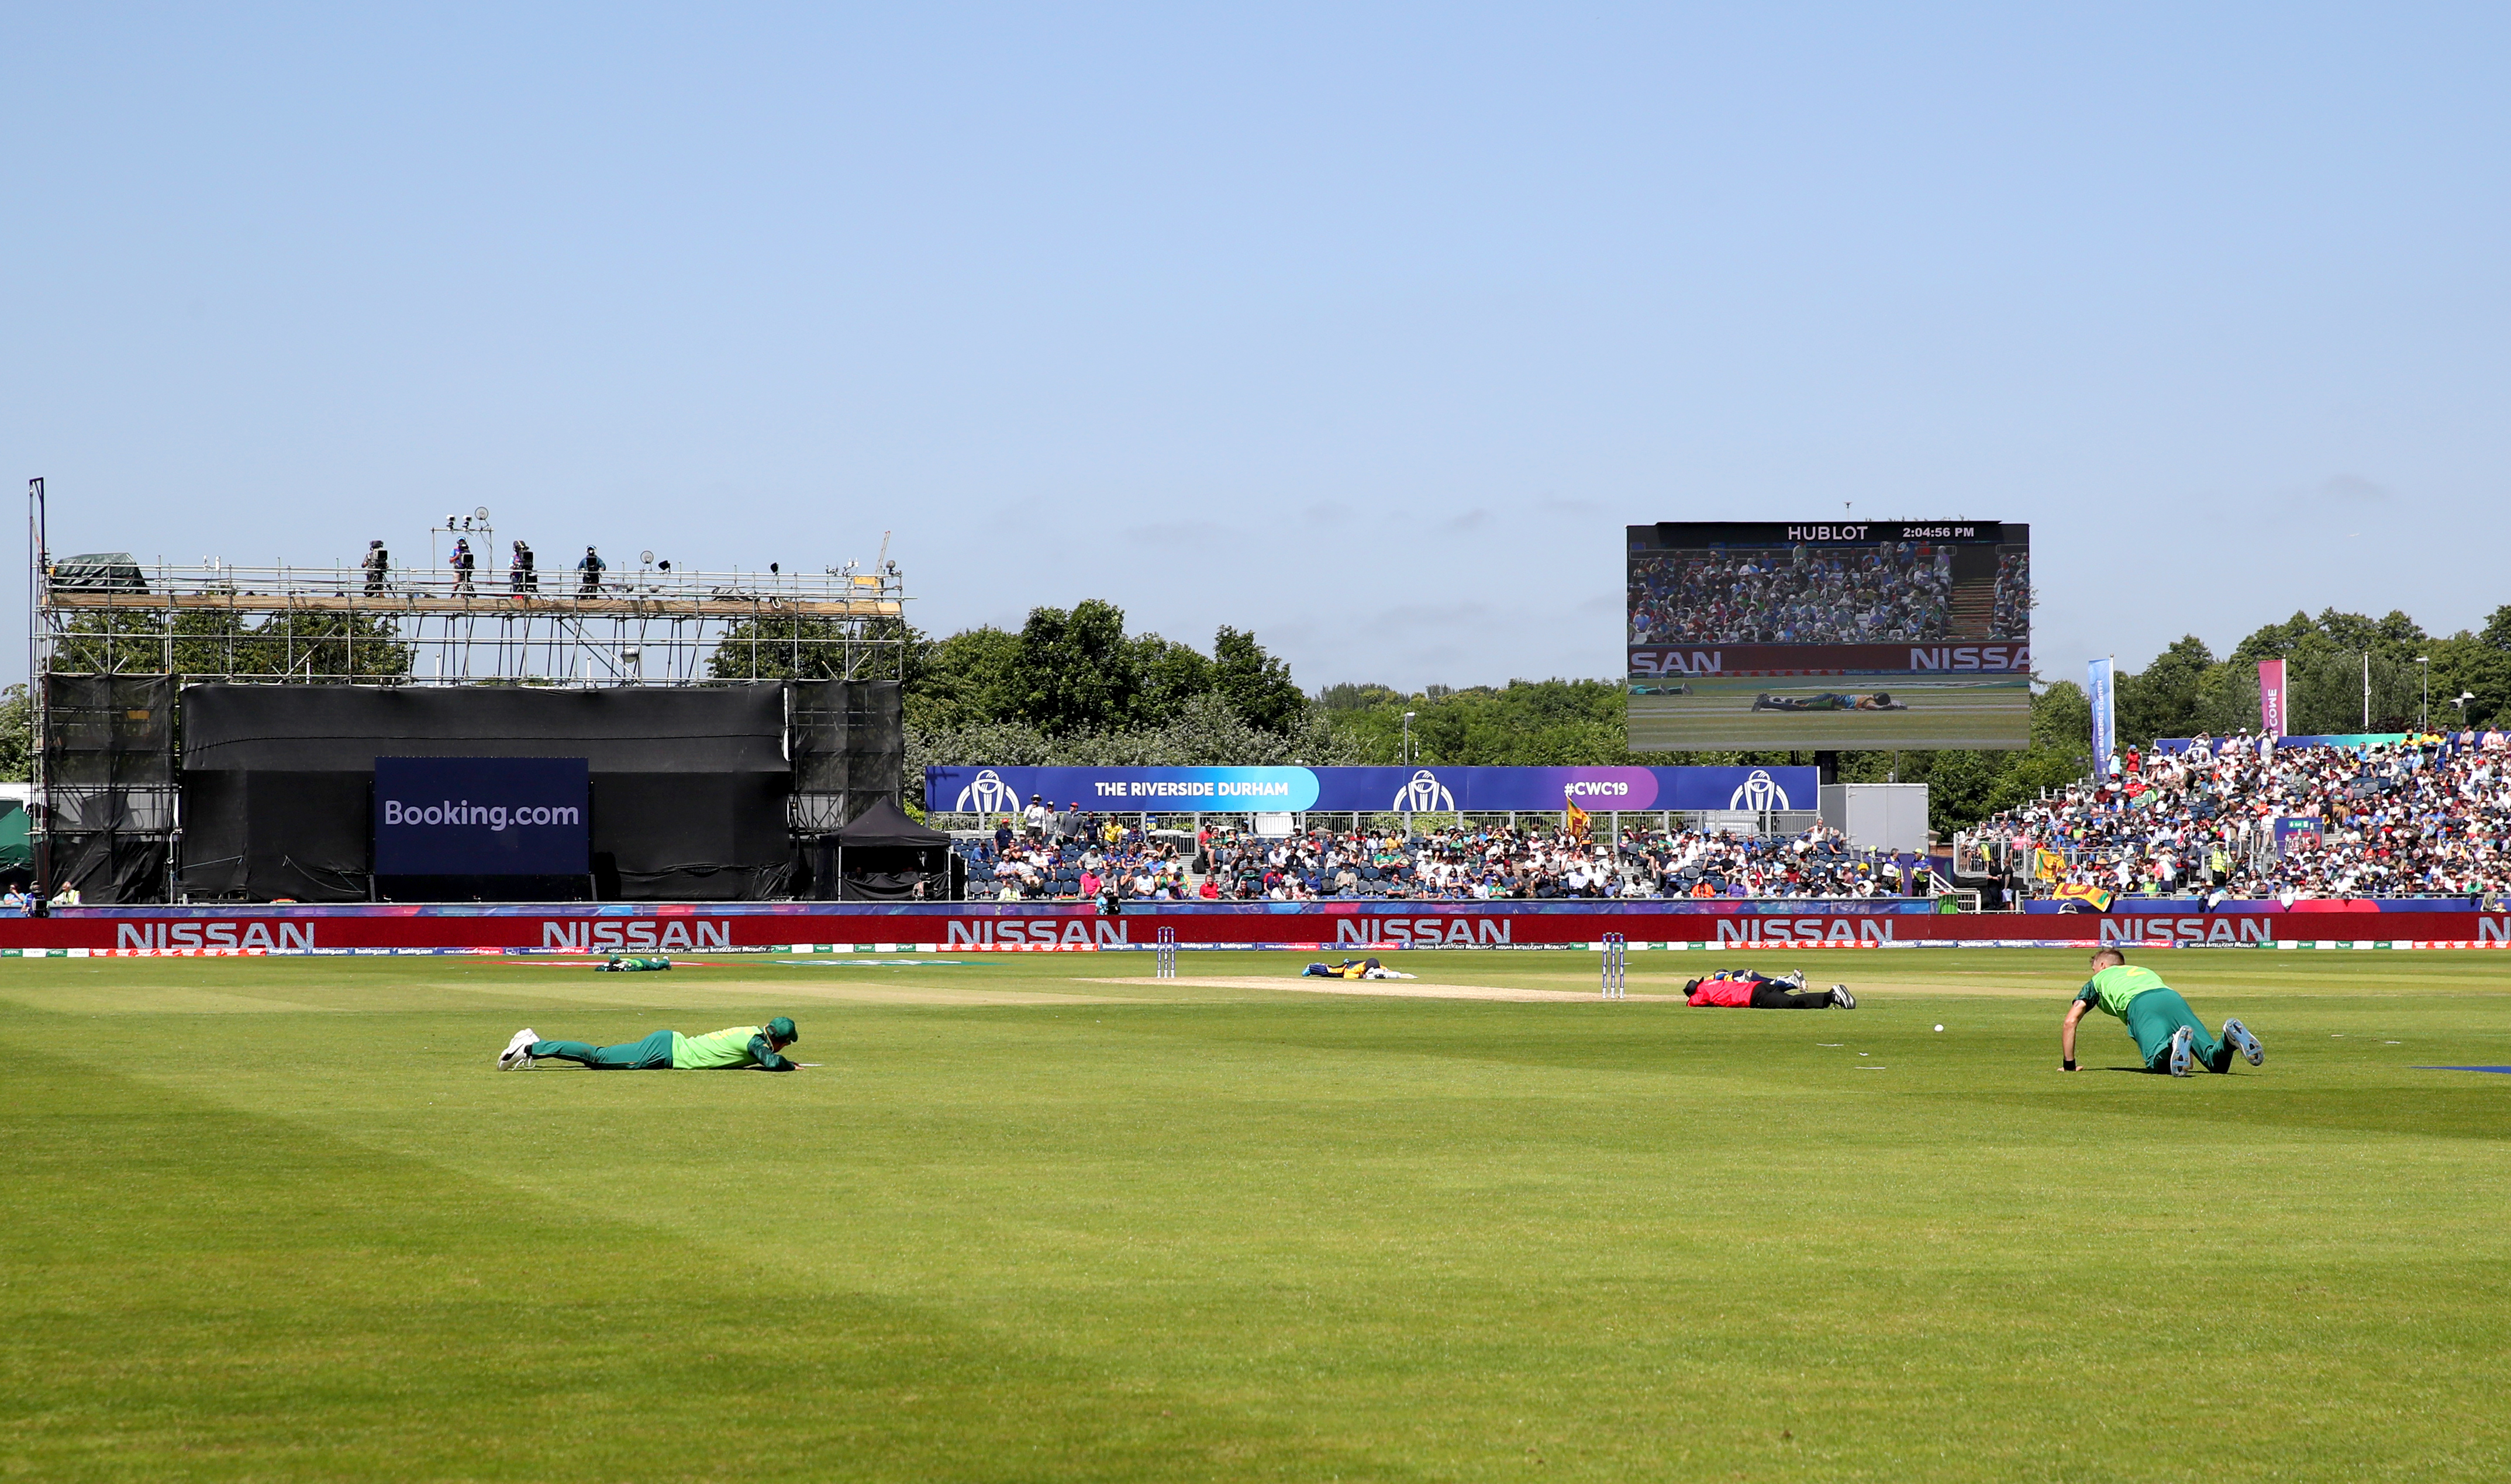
pixel 1840 997
pixel 2184 1052
pixel 518 1054
pixel 1793 979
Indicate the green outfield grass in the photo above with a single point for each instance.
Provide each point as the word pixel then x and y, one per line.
pixel 277 1220
pixel 1939 713
pixel 1721 717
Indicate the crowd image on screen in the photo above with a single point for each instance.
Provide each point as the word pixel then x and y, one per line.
pixel 1806 595
pixel 2428 817
pixel 1800 594
pixel 2012 599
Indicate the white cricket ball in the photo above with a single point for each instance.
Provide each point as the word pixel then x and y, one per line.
pixel 1940 1027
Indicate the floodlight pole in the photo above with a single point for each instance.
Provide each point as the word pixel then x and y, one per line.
pixel 2426 724
pixel 39 827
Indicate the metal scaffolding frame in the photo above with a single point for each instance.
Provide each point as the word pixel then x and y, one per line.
pixel 486 625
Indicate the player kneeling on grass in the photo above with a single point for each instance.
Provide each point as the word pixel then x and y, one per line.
pixel 739 1047
pixel 2166 1030
pixel 1743 989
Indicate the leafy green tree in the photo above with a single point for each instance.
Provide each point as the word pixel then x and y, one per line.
pixel 307 644
pixel 2328 660
pixel 1076 671
pixel 361 646
pixel 2227 700
pixel 1256 684
pixel 1529 722
pixel 17 734
pixel 2277 641
pixel 1207 731
pixel 1073 671
pixel 1172 676
pixel 964 679
pixel 2026 774
pixel 2395 636
pixel 806 647
pixel 2465 664
pixel 1959 785
pixel 2062 721
pixel 1348 697
pixel 2163 700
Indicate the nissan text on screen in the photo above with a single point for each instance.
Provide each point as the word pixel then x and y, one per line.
pixel 1829 634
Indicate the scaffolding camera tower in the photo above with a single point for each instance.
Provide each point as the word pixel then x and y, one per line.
pixel 111 640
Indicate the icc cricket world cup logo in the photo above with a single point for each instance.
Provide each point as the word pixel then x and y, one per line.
pixel 988 794
pixel 1760 793
pixel 1425 794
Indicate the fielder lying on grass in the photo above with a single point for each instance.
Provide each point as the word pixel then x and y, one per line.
pixel 2166 1030
pixel 1743 989
pixel 1830 701
pixel 738 1046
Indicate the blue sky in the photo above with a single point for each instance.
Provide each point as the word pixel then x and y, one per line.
pixel 1366 328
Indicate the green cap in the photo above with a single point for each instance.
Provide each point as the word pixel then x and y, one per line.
pixel 781 1029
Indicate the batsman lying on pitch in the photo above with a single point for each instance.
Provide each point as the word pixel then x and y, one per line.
pixel 737 1046
pixel 1743 989
pixel 1354 968
pixel 2166 1030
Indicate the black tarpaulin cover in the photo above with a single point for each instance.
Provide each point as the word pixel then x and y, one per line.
pixel 884 823
pixel 689 783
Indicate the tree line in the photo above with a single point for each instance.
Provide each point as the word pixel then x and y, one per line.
pixel 2182 691
pixel 2329 661
pixel 1072 686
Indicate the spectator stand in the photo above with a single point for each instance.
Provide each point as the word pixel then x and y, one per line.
pixel 1443 857
pixel 2395 815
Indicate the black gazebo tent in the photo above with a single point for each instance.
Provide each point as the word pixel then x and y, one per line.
pixel 884 856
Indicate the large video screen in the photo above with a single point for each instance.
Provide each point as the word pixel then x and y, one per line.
pixel 1829 634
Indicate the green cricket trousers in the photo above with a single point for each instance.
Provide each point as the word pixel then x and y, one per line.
pixel 2151 1018
pixel 651 1054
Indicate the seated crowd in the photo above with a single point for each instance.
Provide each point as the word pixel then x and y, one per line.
pixel 1075 856
pixel 1090 856
pixel 2424 818
pixel 1495 863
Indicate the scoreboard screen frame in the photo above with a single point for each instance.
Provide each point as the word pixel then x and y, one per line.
pixel 1826 635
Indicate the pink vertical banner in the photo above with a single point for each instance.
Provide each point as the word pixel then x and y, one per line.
pixel 2271 697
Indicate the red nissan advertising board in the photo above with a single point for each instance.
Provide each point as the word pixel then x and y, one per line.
pixel 988 926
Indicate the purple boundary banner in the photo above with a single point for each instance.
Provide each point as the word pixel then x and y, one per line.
pixel 977 790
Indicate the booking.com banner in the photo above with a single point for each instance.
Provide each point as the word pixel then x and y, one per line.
pixel 482 816
pixel 1366 791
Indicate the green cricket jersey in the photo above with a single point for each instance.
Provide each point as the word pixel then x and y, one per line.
pixel 735 1047
pixel 2113 987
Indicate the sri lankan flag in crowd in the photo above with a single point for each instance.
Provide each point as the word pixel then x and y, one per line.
pixel 2048 865
pixel 2085 892
pixel 1574 818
